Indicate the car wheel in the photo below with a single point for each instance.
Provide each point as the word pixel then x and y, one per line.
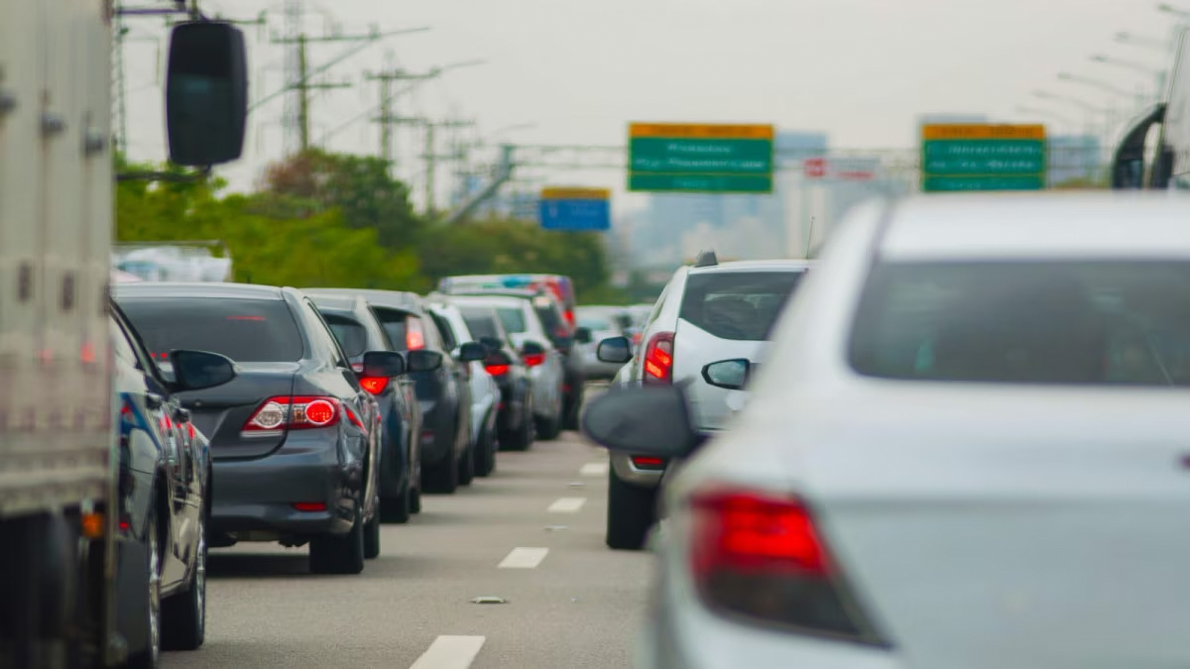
pixel 397 509
pixel 372 538
pixel 485 454
pixel 631 511
pixel 467 465
pixel 415 499
pixel 549 428
pixel 330 554
pixel 573 409
pixel 184 615
pixel 148 658
pixel 442 477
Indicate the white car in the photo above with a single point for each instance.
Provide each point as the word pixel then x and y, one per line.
pixel 711 312
pixel 485 394
pixel 967 450
pixel 597 323
pixel 546 363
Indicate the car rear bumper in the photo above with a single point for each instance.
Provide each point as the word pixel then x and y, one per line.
pixel 630 473
pixel 254 499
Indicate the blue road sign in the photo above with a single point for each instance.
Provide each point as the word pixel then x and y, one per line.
pixel 574 209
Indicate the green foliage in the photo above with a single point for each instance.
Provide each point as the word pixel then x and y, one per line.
pixel 339 220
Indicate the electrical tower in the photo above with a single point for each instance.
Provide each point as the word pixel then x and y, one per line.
pixel 388 117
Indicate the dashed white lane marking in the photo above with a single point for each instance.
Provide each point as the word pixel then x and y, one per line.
pixel 524 558
pixel 567 505
pixel 450 652
pixel 593 469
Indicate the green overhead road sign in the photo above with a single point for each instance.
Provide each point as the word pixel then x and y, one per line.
pixel 963 157
pixel 700 158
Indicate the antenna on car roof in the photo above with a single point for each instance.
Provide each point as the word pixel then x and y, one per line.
pixel 706 259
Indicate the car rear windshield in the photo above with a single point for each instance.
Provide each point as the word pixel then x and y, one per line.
pixel 737 305
pixel 245 330
pixel 480 323
pixel 394 326
pixel 1026 322
pixel 352 335
pixel 512 318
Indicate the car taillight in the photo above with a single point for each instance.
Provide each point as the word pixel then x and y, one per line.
pixel 415 336
pixel 647 462
pixel 760 556
pixel 294 413
pixel 496 370
pixel 659 359
pixel 534 359
pixel 374 384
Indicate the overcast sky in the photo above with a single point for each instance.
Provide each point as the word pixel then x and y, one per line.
pixel 860 70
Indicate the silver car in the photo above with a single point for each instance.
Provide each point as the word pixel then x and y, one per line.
pixel 967 449
pixel 707 313
pixel 597 323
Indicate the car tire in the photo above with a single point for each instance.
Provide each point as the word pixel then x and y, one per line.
pixel 415 499
pixel 631 511
pixel 331 554
pixel 372 537
pixel 184 615
pixel 485 454
pixel 442 477
pixel 549 428
pixel 573 409
pixel 397 509
pixel 150 656
pixel 467 465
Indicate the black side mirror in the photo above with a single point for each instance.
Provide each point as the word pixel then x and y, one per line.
pixel 643 420
pixel 582 335
pixel 472 352
pixel 383 364
pixel 532 348
pixel 206 93
pixel 422 360
pixel 729 374
pixel 614 350
pixel 491 343
pixel 196 370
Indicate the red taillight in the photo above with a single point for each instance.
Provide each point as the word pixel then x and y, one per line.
pixel 309 506
pixel 415 337
pixel 355 420
pixel 647 461
pixel 190 428
pixel 294 413
pixel 374 384
pixel 760 555
pixel 659 358
pixel 534 359
pixel 496 370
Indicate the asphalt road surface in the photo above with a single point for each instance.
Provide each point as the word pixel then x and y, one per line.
pixel 532 534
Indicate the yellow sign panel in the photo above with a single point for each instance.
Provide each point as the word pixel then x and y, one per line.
pixel 575 193
pixel 982 131
pixel 711 131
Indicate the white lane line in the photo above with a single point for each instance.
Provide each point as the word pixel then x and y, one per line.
pixel 593 469
pixel 450 652
pixel 567 505
pixel 524 558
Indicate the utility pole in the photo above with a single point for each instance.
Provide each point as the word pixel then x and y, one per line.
pixel 431 156
pixel 388 117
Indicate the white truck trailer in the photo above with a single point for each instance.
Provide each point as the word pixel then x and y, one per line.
pixel 58 467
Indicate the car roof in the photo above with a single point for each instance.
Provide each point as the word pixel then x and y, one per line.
pixel 405 301
pixel 490 300
pixel 755 266
pixel 198 289
pixel 1049 225
pixel 337 302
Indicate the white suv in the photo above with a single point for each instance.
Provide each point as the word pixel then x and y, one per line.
pixel 709 313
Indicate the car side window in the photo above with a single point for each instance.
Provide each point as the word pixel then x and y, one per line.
pixel 322 340
pixel 449 340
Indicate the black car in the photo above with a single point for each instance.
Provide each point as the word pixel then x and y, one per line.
pixel 357 331
pixel 443 393
pixel 293 438
pixel 514 422
pixel 164 497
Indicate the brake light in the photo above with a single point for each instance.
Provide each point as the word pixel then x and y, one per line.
pixel 294 413
pixel 374 384
pixel 309 506
pixel 190 428
pixel 415 336
pixel 647 462
pixel 760 555
pixel 534 359
pixel 496 370
pixel 659 359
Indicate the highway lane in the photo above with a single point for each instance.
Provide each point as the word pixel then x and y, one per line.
pixel 531 534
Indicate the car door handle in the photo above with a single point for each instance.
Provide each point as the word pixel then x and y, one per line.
pixel 153 401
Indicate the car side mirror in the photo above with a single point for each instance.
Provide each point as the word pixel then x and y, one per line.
pixel 491 343
pixel 206 93
pixel 582 335
pixel 642 420
pixel 422 360
pixel 472 352
pixel 614 350
pixel 196 370
pixel 532 348
pixel 383 364
pixel 729 374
